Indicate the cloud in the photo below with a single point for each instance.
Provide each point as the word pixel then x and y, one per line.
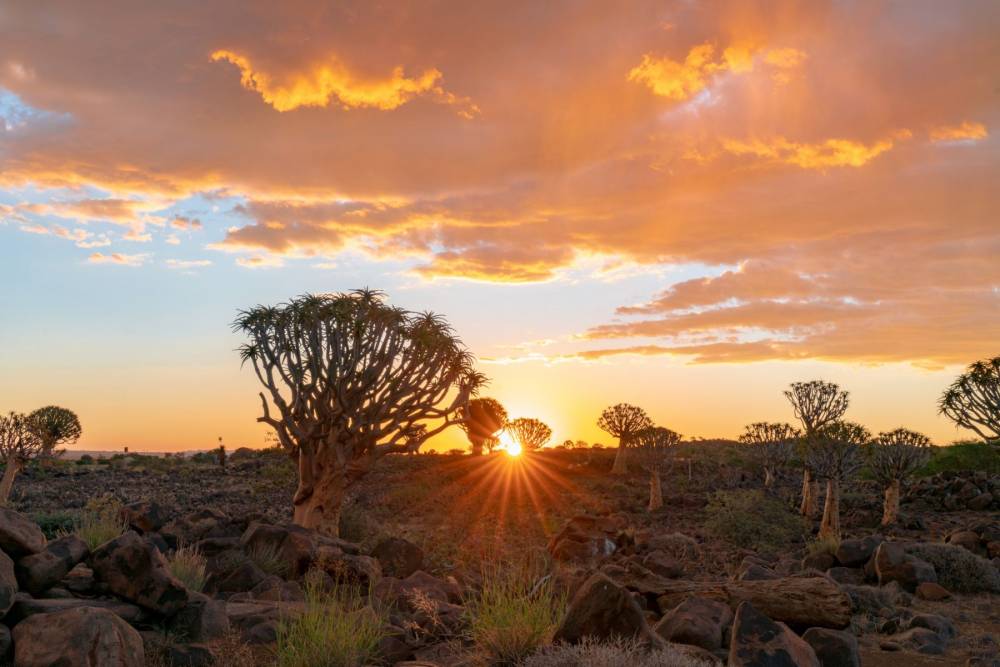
pixel 259 262
pixel 187 264
pixel 966 131
pixel 822 155
pixel 117 258
pixel 185 224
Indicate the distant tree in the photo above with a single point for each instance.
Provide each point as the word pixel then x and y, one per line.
pixel 973 400
pixel 893 457
pixel 19 443
pixel 816 404
pixel 654 446
pixel 834 454
pixel 771 445
pixel 483 419
pixel 623 421
pixel 349 377
pixel 415 437
pixel 55 426
pixel 531 434
pixel 221 454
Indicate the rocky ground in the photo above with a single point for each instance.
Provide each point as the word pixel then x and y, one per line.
pixel 723 573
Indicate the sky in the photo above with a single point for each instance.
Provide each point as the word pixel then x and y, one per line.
pixel 683 205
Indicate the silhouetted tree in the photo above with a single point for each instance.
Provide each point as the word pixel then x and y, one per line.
pixel 771 444
pixel 816 404
pixel 654 446
pixel 531 434
pixel 221 454
pixel 55 426
pixel 483 419
pixel 19 443
pixel 973 400
pixel 415 437
pixel 834 454
pixel 349 377
pixel 893 457
pixel 623 421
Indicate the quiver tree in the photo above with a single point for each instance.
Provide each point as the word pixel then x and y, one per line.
pixel 653 448
pixel 530 434
pixel 55 426
pixel 347 378
pixel 771 444
pixel 19 443
pixel 893 457
pixel 973 400
pixel 816 404
pixel 483 419
pixel 834 454
pixel 623 421
pixel 414 438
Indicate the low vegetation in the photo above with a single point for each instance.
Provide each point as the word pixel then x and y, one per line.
pixel 188 565
pixel 101 521
pixel 753 520
pixel 591 653
pixel 958 569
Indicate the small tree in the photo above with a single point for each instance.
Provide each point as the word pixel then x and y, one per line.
pixel 973 400
pixel 771 445
pixel 623 421
pixel 349 377
pixel 19 443
pixel 55 426
pixel 816 404
pixel 835 455
pixel 531 434
pixel 654 446
pixel 893 457
pixel 483 419
pixel 414 438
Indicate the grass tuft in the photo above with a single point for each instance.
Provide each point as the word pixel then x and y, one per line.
pixel 614 653
pixel 269 559
pixel 188 565
pixel 101 521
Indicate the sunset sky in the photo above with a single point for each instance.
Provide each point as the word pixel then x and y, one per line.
pixel 684 205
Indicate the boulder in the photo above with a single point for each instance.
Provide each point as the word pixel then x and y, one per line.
pixel 202 619
pixel 857 552
pixel 921 640
pixel 398 557
pixel 44 569
pixel 980 502
pixel 194 527
pixel 6 644
pixel 190 655
pixel 144 516
pixel 601 609
pixel 892 563
pixel 834 648
pixel 966 539
pixel 847 575
pixel 400 592
pixel 755 572
pixel 698 622
pixel 821 561
pixel 26 607
pixel 133 569
pixel 660 563
pixel 19 535
pixel 294 545
pixel 935 622
pixel 8 583
pixel 82 637
pixel 584 539
pixel 757 641
pixel 934 592
pixel 241 575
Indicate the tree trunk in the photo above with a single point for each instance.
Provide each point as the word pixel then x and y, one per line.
pixel 7 483
pixel 318 501
pixel 655 492
pixel 810 494
pixel 620 467
pixel 768 478
pixel 477 447
pixel 890 510
pixel 830 526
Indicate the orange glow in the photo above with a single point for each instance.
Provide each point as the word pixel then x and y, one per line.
pixel 510 444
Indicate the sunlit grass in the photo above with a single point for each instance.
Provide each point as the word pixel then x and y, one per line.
pixel 101 521
pixel 188 565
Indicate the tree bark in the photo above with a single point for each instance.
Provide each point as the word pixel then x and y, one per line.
pixel 768 478
pixel 7 482
pixel 655 492
pixel 477 447
pixel 829 527
pixel 620 467
pixel 890 510
pixel 810 493
pixel 319 499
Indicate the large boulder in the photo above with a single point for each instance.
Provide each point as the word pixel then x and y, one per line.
pixel 82 637
pixel 145 516
pixel 134 569
pixel 757 641
pixel 26 607
pixel 858 551
pixel 401 593
pixel 294 545
pixel 398 557
pixel 696 621
pixel 834 648
pixel 236 575
pixel 206 522
pixel 202 619
pixel 19 535
pixel 585 539
pixel 892 563
pixel 8 583
pixel 601 609
pixel 44 569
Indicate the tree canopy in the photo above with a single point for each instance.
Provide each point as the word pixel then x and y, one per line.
pixel 973 399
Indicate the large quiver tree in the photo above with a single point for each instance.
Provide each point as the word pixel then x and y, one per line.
pixel 771 444
pixel 483 419
pixel 973 400
pixel 816 404
pixel 55 426
pixel 531 434
pixel 347 379
pixel 19 443
pixel 893 457
pixel 834 454
pixel 623 421
pixel 654 447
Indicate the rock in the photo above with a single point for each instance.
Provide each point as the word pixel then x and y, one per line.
pixel 210 546
pixel 400 592
pixel 821 561
pixel 277 589
pixel 892 563
pixel 26 607
pixel 857 552
pixel 935 622
pixel 754 572
pixel 294 545
pixel 190 655
pixel 83 637
pixel 398 557
pixel 757 641
pixel 242 576
pixel 194 527
pixel 662 564
pixel 928 590
pixel 202 619
pixel 834 648
pixel 601 609
pixel 44 569
pixel 980 502
pixel 80 580
pixel 921 640
pixel 846 575
pixel 19 535
pixel 966 539
pixel 393 649
pixel 584 539
pixel 265 632
pixel 8 583
pixel 133 569
pixel 145 516
pixel 6 644
pixel 696 621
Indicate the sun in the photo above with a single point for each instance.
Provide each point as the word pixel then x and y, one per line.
pixel 509 444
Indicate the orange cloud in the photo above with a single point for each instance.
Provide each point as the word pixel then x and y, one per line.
pixel 828 153
pixel 966 131
pixel 260 262
pixel 117 258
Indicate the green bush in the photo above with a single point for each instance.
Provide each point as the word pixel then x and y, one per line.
pixel 752 519
pixel 188 565
pixel 101 521
pixel 85 460
pixel 591 653
pixel 958 569
pixel 55 524
pixel 962 456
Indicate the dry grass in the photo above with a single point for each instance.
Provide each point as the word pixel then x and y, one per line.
pixel 101 521
pixel 188 565
pixel 591 653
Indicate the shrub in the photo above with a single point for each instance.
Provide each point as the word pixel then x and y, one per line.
pixel 188 565
pixel 823 545
pixel 591 653
pixel 85 460
pixel 514 614
pixel 958 569
pixel 268 558
pixel 55 524
pixel 753 520
pixel 101 521
pixel 336 630
pixel 962 456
